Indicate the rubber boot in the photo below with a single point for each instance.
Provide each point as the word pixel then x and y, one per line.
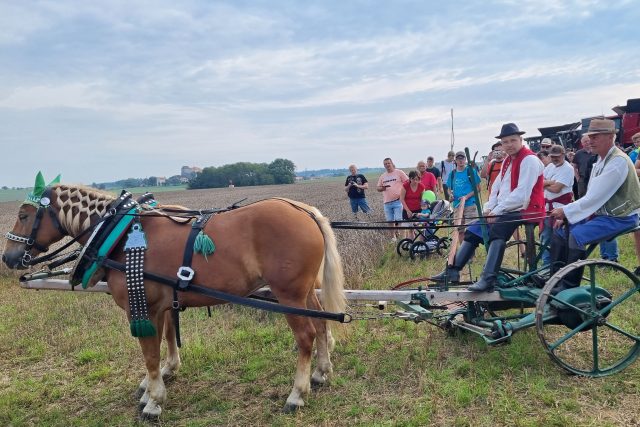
pixel 489 277
pixel 573 279
pixel 558 251
pixel 452 272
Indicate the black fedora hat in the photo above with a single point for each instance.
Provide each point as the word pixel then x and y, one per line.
pixel 509 129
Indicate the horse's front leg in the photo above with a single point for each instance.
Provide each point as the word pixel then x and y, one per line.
pixel 155 393
pixel 172 363
pixel 323 334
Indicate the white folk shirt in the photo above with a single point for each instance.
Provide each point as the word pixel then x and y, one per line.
pixel 562 174
pixel 601 188
pixel 502 199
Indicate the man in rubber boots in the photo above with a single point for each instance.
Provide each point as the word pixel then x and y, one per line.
pixel 516 196
pixel 609 207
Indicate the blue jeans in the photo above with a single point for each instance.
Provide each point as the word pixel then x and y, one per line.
pixel 359 202
pixel 545 240
pixel 609 249
pixel 393 211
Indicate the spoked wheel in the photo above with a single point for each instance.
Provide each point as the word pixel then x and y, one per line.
pixel 419 250
pixel 443 246
pixel 591 330
pixel 404 246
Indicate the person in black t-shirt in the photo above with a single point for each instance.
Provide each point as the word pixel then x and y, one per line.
pixel 355 185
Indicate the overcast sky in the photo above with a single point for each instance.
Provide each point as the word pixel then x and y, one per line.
pixel 105 90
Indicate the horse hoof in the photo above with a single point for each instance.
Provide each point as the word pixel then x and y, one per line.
pixel 149 418
pixel 138 393
pixel 290 408
pixel 315 384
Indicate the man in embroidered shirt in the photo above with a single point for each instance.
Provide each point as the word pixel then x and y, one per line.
pixel 609 207
pixel 516 195
pixel 558 185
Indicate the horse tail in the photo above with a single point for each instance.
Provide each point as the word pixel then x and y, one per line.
pixel 331 274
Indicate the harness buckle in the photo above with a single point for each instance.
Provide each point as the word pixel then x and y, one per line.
pixel 26 259
pixel 185 273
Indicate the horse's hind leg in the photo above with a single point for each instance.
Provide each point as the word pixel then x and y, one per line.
pixel 172 363
pixel 304 334
pixel 324 367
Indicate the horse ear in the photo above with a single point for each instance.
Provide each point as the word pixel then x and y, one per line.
pixel 56 180
pixel 39 186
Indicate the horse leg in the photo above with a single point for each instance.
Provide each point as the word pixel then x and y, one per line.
pixel 304 334
pixel 171 365
pixel 324 367
pixel 155 393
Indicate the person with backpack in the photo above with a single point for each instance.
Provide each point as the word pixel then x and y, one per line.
pixel 446 166
pixel 462 181
pixel 492 165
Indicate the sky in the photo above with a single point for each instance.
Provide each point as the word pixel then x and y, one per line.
pixel 100 91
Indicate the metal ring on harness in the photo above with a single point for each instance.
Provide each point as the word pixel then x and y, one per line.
pixel 185 273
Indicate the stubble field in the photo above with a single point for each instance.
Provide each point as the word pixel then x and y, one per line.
pixel 68 359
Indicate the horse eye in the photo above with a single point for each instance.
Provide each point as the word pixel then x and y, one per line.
pixel 23 217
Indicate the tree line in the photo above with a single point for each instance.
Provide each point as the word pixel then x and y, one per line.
pixel 242 174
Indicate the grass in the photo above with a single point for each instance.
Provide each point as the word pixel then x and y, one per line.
pixel 68 360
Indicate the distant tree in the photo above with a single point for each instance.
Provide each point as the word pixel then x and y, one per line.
pixel 280 171
pixel 283 171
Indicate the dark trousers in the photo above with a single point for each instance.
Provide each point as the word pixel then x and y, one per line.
pixel 503 228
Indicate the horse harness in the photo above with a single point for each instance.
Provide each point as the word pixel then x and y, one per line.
pixel 124 214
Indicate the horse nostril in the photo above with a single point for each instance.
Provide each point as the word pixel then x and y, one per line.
pixel 4 258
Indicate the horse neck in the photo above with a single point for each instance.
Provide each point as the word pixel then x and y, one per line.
pixel 78 206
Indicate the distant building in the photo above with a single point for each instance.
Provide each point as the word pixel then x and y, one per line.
pixel 190 171
pixel 161 180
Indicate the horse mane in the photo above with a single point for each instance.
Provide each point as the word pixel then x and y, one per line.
pixel 78 203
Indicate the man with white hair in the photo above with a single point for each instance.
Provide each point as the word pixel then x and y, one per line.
pixel 609 207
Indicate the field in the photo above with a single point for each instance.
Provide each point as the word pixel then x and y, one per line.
pixel 68 359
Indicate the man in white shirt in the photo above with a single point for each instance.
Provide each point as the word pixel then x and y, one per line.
pixel 609 207
pixel 558 183
pixel 516 196
pixel 446 166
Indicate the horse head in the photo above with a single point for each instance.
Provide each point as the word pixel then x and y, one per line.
pixel 49 213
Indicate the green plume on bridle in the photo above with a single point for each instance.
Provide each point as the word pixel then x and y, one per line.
pixel 34 197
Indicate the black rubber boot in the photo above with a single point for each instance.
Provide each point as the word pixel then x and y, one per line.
pixel 489 278
pixel 558 252
pixel 573 279
pixel 452 272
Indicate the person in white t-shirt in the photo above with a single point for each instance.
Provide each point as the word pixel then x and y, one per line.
pixel 558 184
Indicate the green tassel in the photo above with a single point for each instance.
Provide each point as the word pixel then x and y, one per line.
pixel 142 328
pixel 204 245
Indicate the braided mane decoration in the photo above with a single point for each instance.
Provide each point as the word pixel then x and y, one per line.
pixel 77 204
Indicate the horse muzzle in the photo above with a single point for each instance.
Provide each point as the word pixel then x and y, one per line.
pixel 14 260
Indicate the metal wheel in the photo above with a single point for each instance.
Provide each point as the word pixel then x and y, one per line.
pixel 419 250
pixel 591 330
pixel 404 246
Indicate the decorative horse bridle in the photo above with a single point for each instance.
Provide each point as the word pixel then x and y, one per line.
pixel 30 241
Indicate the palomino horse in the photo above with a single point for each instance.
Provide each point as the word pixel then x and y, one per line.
pixel 285 244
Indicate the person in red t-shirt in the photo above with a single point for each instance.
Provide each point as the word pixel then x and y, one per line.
pixel 411 196
pixel 427 178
